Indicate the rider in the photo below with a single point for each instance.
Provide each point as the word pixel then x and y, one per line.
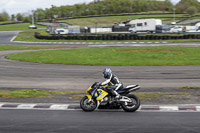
pixel 112 81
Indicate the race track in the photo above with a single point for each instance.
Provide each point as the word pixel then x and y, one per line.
pixel 14 74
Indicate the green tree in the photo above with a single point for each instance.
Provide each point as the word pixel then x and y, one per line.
pixel 27 19
pixel 191 10
pixel 4 16
pixel 13 17
pixel 105 7
pixel 39 14
pixel 20 17
pixel 168 5
pixel 183 5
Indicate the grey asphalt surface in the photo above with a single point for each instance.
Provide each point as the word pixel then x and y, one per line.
pixel 7 36
pixel 14 74
pixel 40 121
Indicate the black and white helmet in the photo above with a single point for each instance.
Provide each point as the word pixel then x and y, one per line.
pixel 107 72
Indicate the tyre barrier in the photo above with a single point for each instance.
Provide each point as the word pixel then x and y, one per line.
pixel 117 37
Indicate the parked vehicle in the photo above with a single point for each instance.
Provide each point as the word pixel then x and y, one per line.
pixel 74 29
pixel 163 28
pixel 176 29
pixel 32 27
pixel 144 25
pixel 189 28
pixel 61 31
pixel 196 28
pixel 100 30
pixel 98 97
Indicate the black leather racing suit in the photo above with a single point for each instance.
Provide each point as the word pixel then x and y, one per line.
pixel 113 83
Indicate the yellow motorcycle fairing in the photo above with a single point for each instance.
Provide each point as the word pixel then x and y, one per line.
pixel 89 96
pixel 99 94
pixel 102 94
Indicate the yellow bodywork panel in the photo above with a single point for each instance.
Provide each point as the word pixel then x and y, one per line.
pixel 99 94
pixel 102 94
pixel 89 96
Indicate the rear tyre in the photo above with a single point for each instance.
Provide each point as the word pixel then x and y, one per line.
pixel 86 105
pixel 131 107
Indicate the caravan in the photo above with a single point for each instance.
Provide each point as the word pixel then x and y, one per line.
pixel 196 28
pixel 144 25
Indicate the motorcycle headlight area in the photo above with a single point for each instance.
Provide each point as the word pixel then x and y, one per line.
pixel 93 92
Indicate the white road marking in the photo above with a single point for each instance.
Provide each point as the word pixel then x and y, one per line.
pixel 59 107
pixel 162 108
pixel 13 38
pixel 26 106
pixel 198 108
pixel 1 105
pixel 169 108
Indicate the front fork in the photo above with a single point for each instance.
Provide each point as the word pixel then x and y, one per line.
pixel 90 99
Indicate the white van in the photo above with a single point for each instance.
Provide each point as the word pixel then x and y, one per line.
pixel 144 25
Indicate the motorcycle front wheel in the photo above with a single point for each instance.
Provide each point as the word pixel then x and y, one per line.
pixel 133 106
pixel 87 105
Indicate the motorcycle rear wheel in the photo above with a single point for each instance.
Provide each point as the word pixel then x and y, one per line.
pixel 87 106
pixel 135 102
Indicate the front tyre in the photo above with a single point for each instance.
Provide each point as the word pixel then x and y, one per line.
pixel 86 105
pixel 133 106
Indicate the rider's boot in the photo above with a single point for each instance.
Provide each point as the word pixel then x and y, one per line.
pixel 117 95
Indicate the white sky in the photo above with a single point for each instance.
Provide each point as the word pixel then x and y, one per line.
pixel 26 6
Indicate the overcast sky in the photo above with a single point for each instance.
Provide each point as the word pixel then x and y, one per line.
pixel 25 6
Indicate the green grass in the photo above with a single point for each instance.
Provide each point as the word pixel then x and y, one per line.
pixel 77 95
pixel 119 56
pixel 110 20
pixel 34 93
pixel 25 47
pixel 23 93
pixel 190 88
pixel 29 36
pixel 10 22
pixel 20 26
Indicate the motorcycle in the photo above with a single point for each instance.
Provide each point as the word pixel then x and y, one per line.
pixel 98 98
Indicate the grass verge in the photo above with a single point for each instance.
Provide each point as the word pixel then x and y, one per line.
pixel 118 56
pixel 110 20
pixel 23 93
pixel 77 95
pixel 190 88
pixel 25 47
pixel 20 26
pixel 34 93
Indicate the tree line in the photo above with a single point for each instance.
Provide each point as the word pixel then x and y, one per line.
pixel 4 16
pixel 102 7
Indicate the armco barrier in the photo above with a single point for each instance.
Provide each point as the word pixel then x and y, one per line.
pixel 118 37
